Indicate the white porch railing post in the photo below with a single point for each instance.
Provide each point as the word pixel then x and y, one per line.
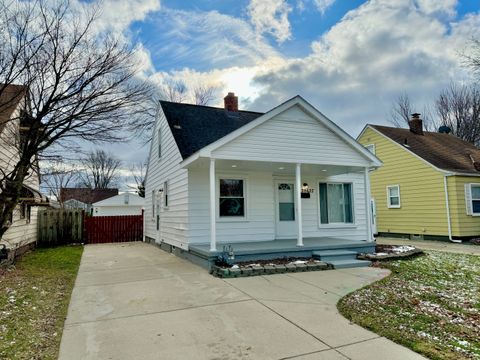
pixel 298 195
pixel 213 215
pixel 368 205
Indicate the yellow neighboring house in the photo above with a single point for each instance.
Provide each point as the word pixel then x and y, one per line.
pixel 429 184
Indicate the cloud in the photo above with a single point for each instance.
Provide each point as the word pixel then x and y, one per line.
pixel 271 17
pixel 377 51
pixel 213 39
pixel 323 5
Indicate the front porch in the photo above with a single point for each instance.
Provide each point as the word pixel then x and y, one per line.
pixel 280 248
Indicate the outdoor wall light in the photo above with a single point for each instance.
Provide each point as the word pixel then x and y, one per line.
pixel 234 166
pixel 281 168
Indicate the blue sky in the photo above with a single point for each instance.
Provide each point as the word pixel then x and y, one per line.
pixel 350 59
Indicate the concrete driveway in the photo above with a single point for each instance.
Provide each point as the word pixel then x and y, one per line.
pixel 134 301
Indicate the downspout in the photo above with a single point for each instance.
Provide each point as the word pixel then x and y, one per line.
pixel 447 204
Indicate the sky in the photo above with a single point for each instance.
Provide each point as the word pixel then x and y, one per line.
pixel 350 59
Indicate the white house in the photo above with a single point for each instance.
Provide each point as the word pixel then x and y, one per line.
pixel 22 231
pixel 283 182
pixel 123 204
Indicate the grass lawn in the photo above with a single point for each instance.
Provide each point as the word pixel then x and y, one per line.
pixel 34 297
pixel 430 304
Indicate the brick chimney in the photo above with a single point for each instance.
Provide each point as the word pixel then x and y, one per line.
pixel 416 124
pixel 231 102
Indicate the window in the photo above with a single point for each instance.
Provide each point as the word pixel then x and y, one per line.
pixel 472 198
pixel 393 196
pixel 371 148
pixel 232 198
pixel 159 140
pixel 23 210
pixel 153 204
pixel 126 198
pixel 28 214
pixel 165 194
pixel 336 203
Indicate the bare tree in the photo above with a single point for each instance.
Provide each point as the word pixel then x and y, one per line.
pixel 174 90
pixel 100 170
pixel 138 173
pixel 78 85
pixel 204 94
pixel 458 107
pixel 57 176
pixel 403 109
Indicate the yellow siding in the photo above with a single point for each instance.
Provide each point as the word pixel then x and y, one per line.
pixel 462 224
pixel 422 195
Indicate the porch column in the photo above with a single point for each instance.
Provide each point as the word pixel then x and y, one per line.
pixel 368 205
pixel 298 195
pixel 213 215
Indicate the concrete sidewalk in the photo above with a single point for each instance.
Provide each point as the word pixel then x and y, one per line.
pixel 134 301
pixel 433 245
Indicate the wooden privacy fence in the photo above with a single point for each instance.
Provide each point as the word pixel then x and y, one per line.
pixel 60 226
pixel 108 229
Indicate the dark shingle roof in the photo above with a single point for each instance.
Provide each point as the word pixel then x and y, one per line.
pixel 195 126
pixel 86 195
pixel 445 151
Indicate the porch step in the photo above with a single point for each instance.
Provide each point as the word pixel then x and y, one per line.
pixel 345 264
pixel 332 255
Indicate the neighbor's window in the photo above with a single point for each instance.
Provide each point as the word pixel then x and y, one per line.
pixel 28 214
pixel 393 196
pixel 336 203
pixel 371 148
pixel 23 210
pixel 159 142
pixel 232 198
pixel 165 194
pixel 475 196
pixel 126 198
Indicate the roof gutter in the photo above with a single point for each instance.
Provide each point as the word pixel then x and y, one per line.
pixel 447 204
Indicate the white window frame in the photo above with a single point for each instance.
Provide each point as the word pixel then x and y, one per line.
pixel 469 200
pixel 336 224
pixel 389 204
pixel 245 198
pixel 165 195
pixel 372 147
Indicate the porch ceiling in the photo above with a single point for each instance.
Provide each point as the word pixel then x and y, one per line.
pixel 277 168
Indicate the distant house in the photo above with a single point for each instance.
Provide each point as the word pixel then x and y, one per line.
pixel 123 204
pixel 22 231
pixel 83 198
pixel 288 181
pixel 429 185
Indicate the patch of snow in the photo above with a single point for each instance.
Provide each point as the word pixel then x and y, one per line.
pixel 235 266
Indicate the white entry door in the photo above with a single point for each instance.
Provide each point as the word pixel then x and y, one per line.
pixel 286 222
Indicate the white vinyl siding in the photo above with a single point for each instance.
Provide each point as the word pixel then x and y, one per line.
pixel 22 231
pixel 292 136
pixel 393 197
pixel 172 222
pixel 260 223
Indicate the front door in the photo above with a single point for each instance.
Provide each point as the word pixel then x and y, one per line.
pixel 286 222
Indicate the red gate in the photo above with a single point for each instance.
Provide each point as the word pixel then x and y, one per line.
pixel 109 229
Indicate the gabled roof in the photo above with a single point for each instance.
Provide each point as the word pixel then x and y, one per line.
pixel 10 97
pixel 195 126
pixel 119 200
pixel 444 151
pixel 200 129
pixel 86 195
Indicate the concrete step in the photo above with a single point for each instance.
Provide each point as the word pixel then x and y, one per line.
pixel 345 264
pixel 330 255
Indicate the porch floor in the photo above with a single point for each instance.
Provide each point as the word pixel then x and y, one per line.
pixel 281 248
